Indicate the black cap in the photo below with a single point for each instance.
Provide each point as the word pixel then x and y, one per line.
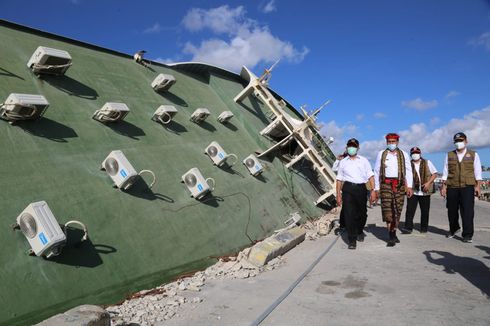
pixel 353 141
pixel 414 150
pixel 459 136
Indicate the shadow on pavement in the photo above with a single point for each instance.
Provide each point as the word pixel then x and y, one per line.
pixel 486 249
pixel 473 270
pixel 379 232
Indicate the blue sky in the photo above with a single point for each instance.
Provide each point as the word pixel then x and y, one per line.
pixel 420 68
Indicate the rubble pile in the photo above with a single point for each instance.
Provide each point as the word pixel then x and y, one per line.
pixel 171 300
pixel 320 227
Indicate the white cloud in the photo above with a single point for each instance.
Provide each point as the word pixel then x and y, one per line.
pixel 435 120
pixel 474 125
pixel 379 115
pixel 155 28
pixel 360 117
pixel 165 60
pixel 452 94
pixel 482 40
pixel 419 104
pixel 220 20
pixel 248 43
pixel 340 134
pixel 269 7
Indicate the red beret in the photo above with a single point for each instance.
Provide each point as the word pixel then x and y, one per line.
pixel 392 136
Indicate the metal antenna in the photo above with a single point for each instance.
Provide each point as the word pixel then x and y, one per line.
pixel 267 72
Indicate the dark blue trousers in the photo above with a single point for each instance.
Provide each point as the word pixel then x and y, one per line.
pixel 461 200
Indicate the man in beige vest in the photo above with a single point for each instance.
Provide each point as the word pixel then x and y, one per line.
pixel 424 174
pixel 462 176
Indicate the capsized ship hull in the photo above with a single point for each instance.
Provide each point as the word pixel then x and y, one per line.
pixel 137 238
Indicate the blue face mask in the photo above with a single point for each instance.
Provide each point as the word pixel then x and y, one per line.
pixel 351 151
pixel 391 147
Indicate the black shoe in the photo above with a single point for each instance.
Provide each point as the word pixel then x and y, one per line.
pixel 352 245
pixel 452 234
pixel 467 239
pixel 396 239
pixel 423 231
pixel 339 230
pixel 391 243
pixel 360 237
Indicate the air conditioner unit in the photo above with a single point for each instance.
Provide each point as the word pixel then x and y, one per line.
pixel 111 112
pixel 200 115
pixel 41 229
pixel 164 114
pixel 163 82
pixel 197 185
pixel 121 171
pixel 225 116
pixel 253 165
pixel 23 107
pixel 218 154
pixel 49 61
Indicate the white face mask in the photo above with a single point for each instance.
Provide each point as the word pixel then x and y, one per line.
pixel 415 157
pixel 459 145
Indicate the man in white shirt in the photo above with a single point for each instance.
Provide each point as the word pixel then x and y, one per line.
pixel 353 174
pixel 462 176
pixel 424 174
pixel 392 180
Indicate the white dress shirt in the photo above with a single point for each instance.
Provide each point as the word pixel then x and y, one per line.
pixel 432 169
pixel 391 168
pixel 355 169
pixel 335 166
pixel 476 165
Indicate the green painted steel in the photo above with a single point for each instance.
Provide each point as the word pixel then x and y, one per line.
pixel 138 239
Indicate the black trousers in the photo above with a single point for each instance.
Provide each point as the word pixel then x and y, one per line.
pixel 462 199
pixel 424 203
pixel 354 199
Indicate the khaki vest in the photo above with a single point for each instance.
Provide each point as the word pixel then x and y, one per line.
pixel 460 174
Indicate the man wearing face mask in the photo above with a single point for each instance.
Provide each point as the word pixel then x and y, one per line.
pixel 462 176
pixel 393 179
pixel 424 174
pixel 353 174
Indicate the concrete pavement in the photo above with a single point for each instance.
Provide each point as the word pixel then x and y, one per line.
pixel 427 279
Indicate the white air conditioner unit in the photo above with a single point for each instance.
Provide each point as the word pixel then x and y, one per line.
pixel 225 116
pixel 163 82
pixel 200 115
pixel 197 185
pixel 164 114
pixel 23 107
pixel 218 154
pixel 49 61
pixel 120 170
pixel 111 112
pixel 41 229
pixel 253 165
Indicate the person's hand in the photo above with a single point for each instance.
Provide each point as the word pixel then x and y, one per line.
pixel 477 192
pixel 426 186
pixel 374 196
pixel 443 191
pixel 409 192
pixel 339 199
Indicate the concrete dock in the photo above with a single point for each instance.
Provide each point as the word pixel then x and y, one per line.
pixel 426 279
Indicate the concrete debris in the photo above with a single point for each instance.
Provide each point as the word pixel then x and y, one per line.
pixel 150 307
pixel 320 227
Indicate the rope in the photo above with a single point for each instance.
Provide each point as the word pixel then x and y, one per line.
pixel 290 289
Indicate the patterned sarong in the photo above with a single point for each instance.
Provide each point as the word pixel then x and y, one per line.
pixel 392 200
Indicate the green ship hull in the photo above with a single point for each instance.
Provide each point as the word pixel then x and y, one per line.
pixel 137 238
